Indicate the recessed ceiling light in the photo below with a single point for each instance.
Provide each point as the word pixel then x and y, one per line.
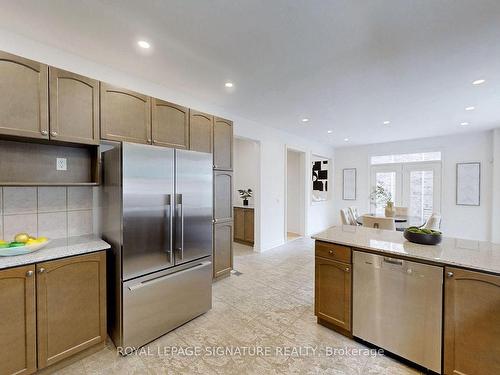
pixel 387 122
pixel 470 108
pixel 228 84
pixel 143 44
pixel 305 119
pixel 330 131
pixel 478 82
pixel 346 139
pixel 464 123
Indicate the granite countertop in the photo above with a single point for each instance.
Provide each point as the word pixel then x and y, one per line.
pixel 59 248
pixel 476 255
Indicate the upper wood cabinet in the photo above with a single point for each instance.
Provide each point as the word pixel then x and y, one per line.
pixel 471 323
pixel 170 124
pixel 17 321
pixel 24 99
pixel 71 309
pixel 223 144
pixel 125 115
pixel 74 107
pixel 223 249
pixel 200 131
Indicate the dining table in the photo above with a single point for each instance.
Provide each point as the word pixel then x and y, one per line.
pixel 402 221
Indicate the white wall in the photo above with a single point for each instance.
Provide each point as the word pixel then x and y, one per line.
pixel 495 212
pixel 273 142
pixel 246 166
pixel 294 192
pixel 458 221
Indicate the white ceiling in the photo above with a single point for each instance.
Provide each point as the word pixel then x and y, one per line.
pixel 347 65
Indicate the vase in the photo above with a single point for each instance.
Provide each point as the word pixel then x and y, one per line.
pixel 390 210
pixel 245 202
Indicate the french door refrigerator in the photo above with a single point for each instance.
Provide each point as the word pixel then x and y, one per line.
pixel 156 212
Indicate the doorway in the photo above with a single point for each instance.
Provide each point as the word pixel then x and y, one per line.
pixel 295 194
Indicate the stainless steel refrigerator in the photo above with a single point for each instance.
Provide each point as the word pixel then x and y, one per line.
pixel 157 215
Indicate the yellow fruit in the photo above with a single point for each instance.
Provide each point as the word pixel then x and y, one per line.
pixel 21 237
pixel 42 239
pixel 32 241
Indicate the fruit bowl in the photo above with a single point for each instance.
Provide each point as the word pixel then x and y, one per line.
pixel 422 236
pixel 21 250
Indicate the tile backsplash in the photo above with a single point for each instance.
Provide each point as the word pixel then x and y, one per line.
pixel 53 212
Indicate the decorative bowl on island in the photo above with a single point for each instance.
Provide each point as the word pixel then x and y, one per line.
pixel 423 236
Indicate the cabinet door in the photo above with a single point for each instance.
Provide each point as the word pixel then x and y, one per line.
pixel 24 104
pixel 200 131
pixel 223 196
pixel 471 323
pixel 333 292
pixel 74 107
pixel 223 144
pixel 71 309
pixel 223 249
pixel 170 124
pixel 17 321
pixel 125 115
pixel 239 224
pixel 249 224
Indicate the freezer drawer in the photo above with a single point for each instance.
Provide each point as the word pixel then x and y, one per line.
pixel 155 304
pixel 397 305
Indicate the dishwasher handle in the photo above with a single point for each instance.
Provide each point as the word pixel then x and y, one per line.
pixel 394 261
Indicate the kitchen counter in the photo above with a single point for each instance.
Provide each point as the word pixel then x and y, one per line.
pixel 58 248
pixel 242 206
pixel 475 255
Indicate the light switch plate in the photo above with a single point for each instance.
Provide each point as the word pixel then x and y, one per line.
pixel 61 164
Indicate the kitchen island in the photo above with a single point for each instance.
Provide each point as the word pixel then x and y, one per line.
pixel 420 302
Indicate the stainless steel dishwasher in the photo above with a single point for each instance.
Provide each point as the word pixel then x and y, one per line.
pixel 397 305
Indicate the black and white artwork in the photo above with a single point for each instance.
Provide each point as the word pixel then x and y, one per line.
pixel 468 184
pixel 320 168
pixel 349 184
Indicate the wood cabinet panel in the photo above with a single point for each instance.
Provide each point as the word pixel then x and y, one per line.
pixel 200 131
pixel 333 251
pixel 71 309
pixel 223 144
pixel 170 125
pixel 125 115
pixel 333 292
pixel 244 222
pixel 239 224
pixel 223 187
pixel 249 225
pixel 17 321
pixel 223 249
pixel 471 323
pixel 74 107
pixel 24 100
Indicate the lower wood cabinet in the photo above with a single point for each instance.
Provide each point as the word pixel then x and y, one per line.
pixel 51 311
pixel 17 320
pixel 471 322
pixel 244 225
pixel 333 288
pixel 223 249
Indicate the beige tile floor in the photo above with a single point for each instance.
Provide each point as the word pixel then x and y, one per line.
pixel 269 306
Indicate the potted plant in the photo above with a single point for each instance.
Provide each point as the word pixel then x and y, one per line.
pixel 380 196
pixel 245 194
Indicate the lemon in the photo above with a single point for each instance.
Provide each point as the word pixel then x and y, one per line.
pixel 42 239
pixel 32 241
pixel 21 237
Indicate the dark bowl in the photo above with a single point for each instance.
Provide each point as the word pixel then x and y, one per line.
pixel 422 238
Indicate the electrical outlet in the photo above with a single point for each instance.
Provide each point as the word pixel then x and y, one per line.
pixel 61 164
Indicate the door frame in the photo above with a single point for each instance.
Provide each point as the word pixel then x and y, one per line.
pixel 303 186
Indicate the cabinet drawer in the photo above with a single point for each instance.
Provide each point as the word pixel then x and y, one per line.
pixel 332 251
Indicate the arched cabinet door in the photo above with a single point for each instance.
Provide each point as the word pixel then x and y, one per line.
pixel 223 144
pixel 74 107
pixel 223 186
pixel 200 131
pixel 125 115
pixel 223 249
pixel 24 101
pixel 170 124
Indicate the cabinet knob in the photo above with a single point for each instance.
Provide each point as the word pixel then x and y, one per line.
pixel 330 252
pixel 215 166
pixel 54 134
pixel 449 274
pixel 214 221
pixel 44 132
pixel 41 270
pixel 29 273
pixel 347 269
pixel 149 140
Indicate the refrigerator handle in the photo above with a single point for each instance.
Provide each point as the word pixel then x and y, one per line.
pixel 181 209
pixel 170 227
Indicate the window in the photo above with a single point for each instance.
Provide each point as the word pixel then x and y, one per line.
pixel 406 158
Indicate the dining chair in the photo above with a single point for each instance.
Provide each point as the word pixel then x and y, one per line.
pixel 354 212
pixel 344 217
pixel 386 223
pixel 433 222
pixel 401 211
